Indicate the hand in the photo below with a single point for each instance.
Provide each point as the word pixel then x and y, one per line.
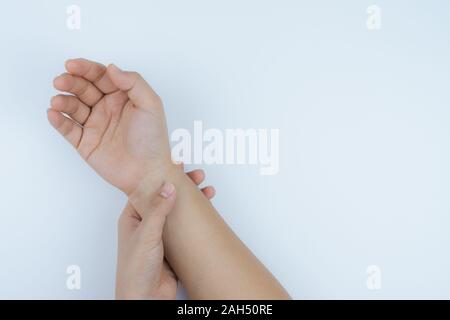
pixel 142 271
pixel 116 123
pixel 198 176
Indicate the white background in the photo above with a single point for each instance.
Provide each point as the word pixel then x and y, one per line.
pixel 363 118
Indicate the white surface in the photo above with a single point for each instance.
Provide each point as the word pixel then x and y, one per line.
pixel 363 118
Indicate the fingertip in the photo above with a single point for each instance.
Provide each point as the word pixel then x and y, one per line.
pixel 61 82
pixel 69 64
pixel 114 71
pixel 74 66
pixel 54 117
pixel 56 101
pixel 199 176
pixel 209 192
pixel 138 90
pixel 113 68
pixel 167 190
pixel 56 82
pixel 117 76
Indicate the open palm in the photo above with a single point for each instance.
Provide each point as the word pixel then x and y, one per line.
pixel 116 123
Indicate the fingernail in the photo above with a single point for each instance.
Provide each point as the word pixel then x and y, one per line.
pixel 167 190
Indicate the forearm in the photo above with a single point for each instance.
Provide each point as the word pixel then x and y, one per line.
pixel 118 126
pixel 206 255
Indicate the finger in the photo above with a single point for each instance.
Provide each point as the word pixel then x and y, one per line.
pixel 65 126
pixel 138 90
pixel 153 221
pixel 83 89
pixel 71 106
pixel 130 213
pixel 92 71
pixel 197 176
pixel 209 192
pixel 128 220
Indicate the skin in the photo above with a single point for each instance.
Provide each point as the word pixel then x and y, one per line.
pixel 118 126
pixel 142 271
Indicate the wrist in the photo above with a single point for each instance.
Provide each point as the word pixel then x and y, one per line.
pixel 151 183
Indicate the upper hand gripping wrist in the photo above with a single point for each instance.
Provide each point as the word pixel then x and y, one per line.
pixel 150 184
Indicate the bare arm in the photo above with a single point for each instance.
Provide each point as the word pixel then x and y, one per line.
pixel 118 126
pixel 206 255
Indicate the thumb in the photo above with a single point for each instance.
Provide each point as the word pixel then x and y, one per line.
pixel 138 90
pixel 153 221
